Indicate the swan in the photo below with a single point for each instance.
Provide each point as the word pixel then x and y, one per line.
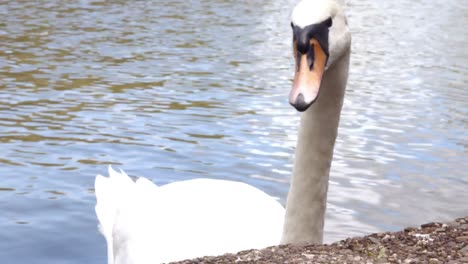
pixel 145 223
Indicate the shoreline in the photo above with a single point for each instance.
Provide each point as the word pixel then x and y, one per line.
pixel 432 243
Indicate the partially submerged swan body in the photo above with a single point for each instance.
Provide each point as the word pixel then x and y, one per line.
pixel 145 223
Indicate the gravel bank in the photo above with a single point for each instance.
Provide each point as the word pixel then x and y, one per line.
pixel 431 243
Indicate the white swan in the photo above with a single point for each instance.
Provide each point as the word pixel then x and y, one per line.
pixel 144 223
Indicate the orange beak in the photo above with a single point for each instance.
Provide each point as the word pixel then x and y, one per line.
pixel 307 81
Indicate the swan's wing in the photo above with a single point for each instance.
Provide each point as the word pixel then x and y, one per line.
pixel 212 217
pixel 146 185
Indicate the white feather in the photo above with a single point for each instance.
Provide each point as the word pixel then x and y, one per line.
pixel 308 12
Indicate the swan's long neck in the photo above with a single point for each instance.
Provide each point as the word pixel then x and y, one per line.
pixel 307 198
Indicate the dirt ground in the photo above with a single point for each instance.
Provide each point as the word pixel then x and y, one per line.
pixel 431 243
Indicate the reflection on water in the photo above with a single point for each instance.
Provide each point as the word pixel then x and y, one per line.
pixel 182 89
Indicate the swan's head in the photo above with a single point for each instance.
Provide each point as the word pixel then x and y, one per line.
pixel 320 37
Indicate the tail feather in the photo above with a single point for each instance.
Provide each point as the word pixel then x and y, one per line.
pixel 111 193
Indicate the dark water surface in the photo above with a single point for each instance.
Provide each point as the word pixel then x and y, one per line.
pixel 174 90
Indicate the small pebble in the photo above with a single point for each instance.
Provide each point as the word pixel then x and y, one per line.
pixel 464 251
pixel 410 261
pixel 386 237
pixel 452 244
pixel 431 224
pixel 454 224
pixel 410 229
pixel 462 239
pixel 374 240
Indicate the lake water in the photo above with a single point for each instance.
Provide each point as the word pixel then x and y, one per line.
pixel 175 90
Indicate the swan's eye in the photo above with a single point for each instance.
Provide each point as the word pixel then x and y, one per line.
pixel 329 22
pixel 292 25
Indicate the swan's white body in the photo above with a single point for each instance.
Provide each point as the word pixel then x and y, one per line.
pixel 144 223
